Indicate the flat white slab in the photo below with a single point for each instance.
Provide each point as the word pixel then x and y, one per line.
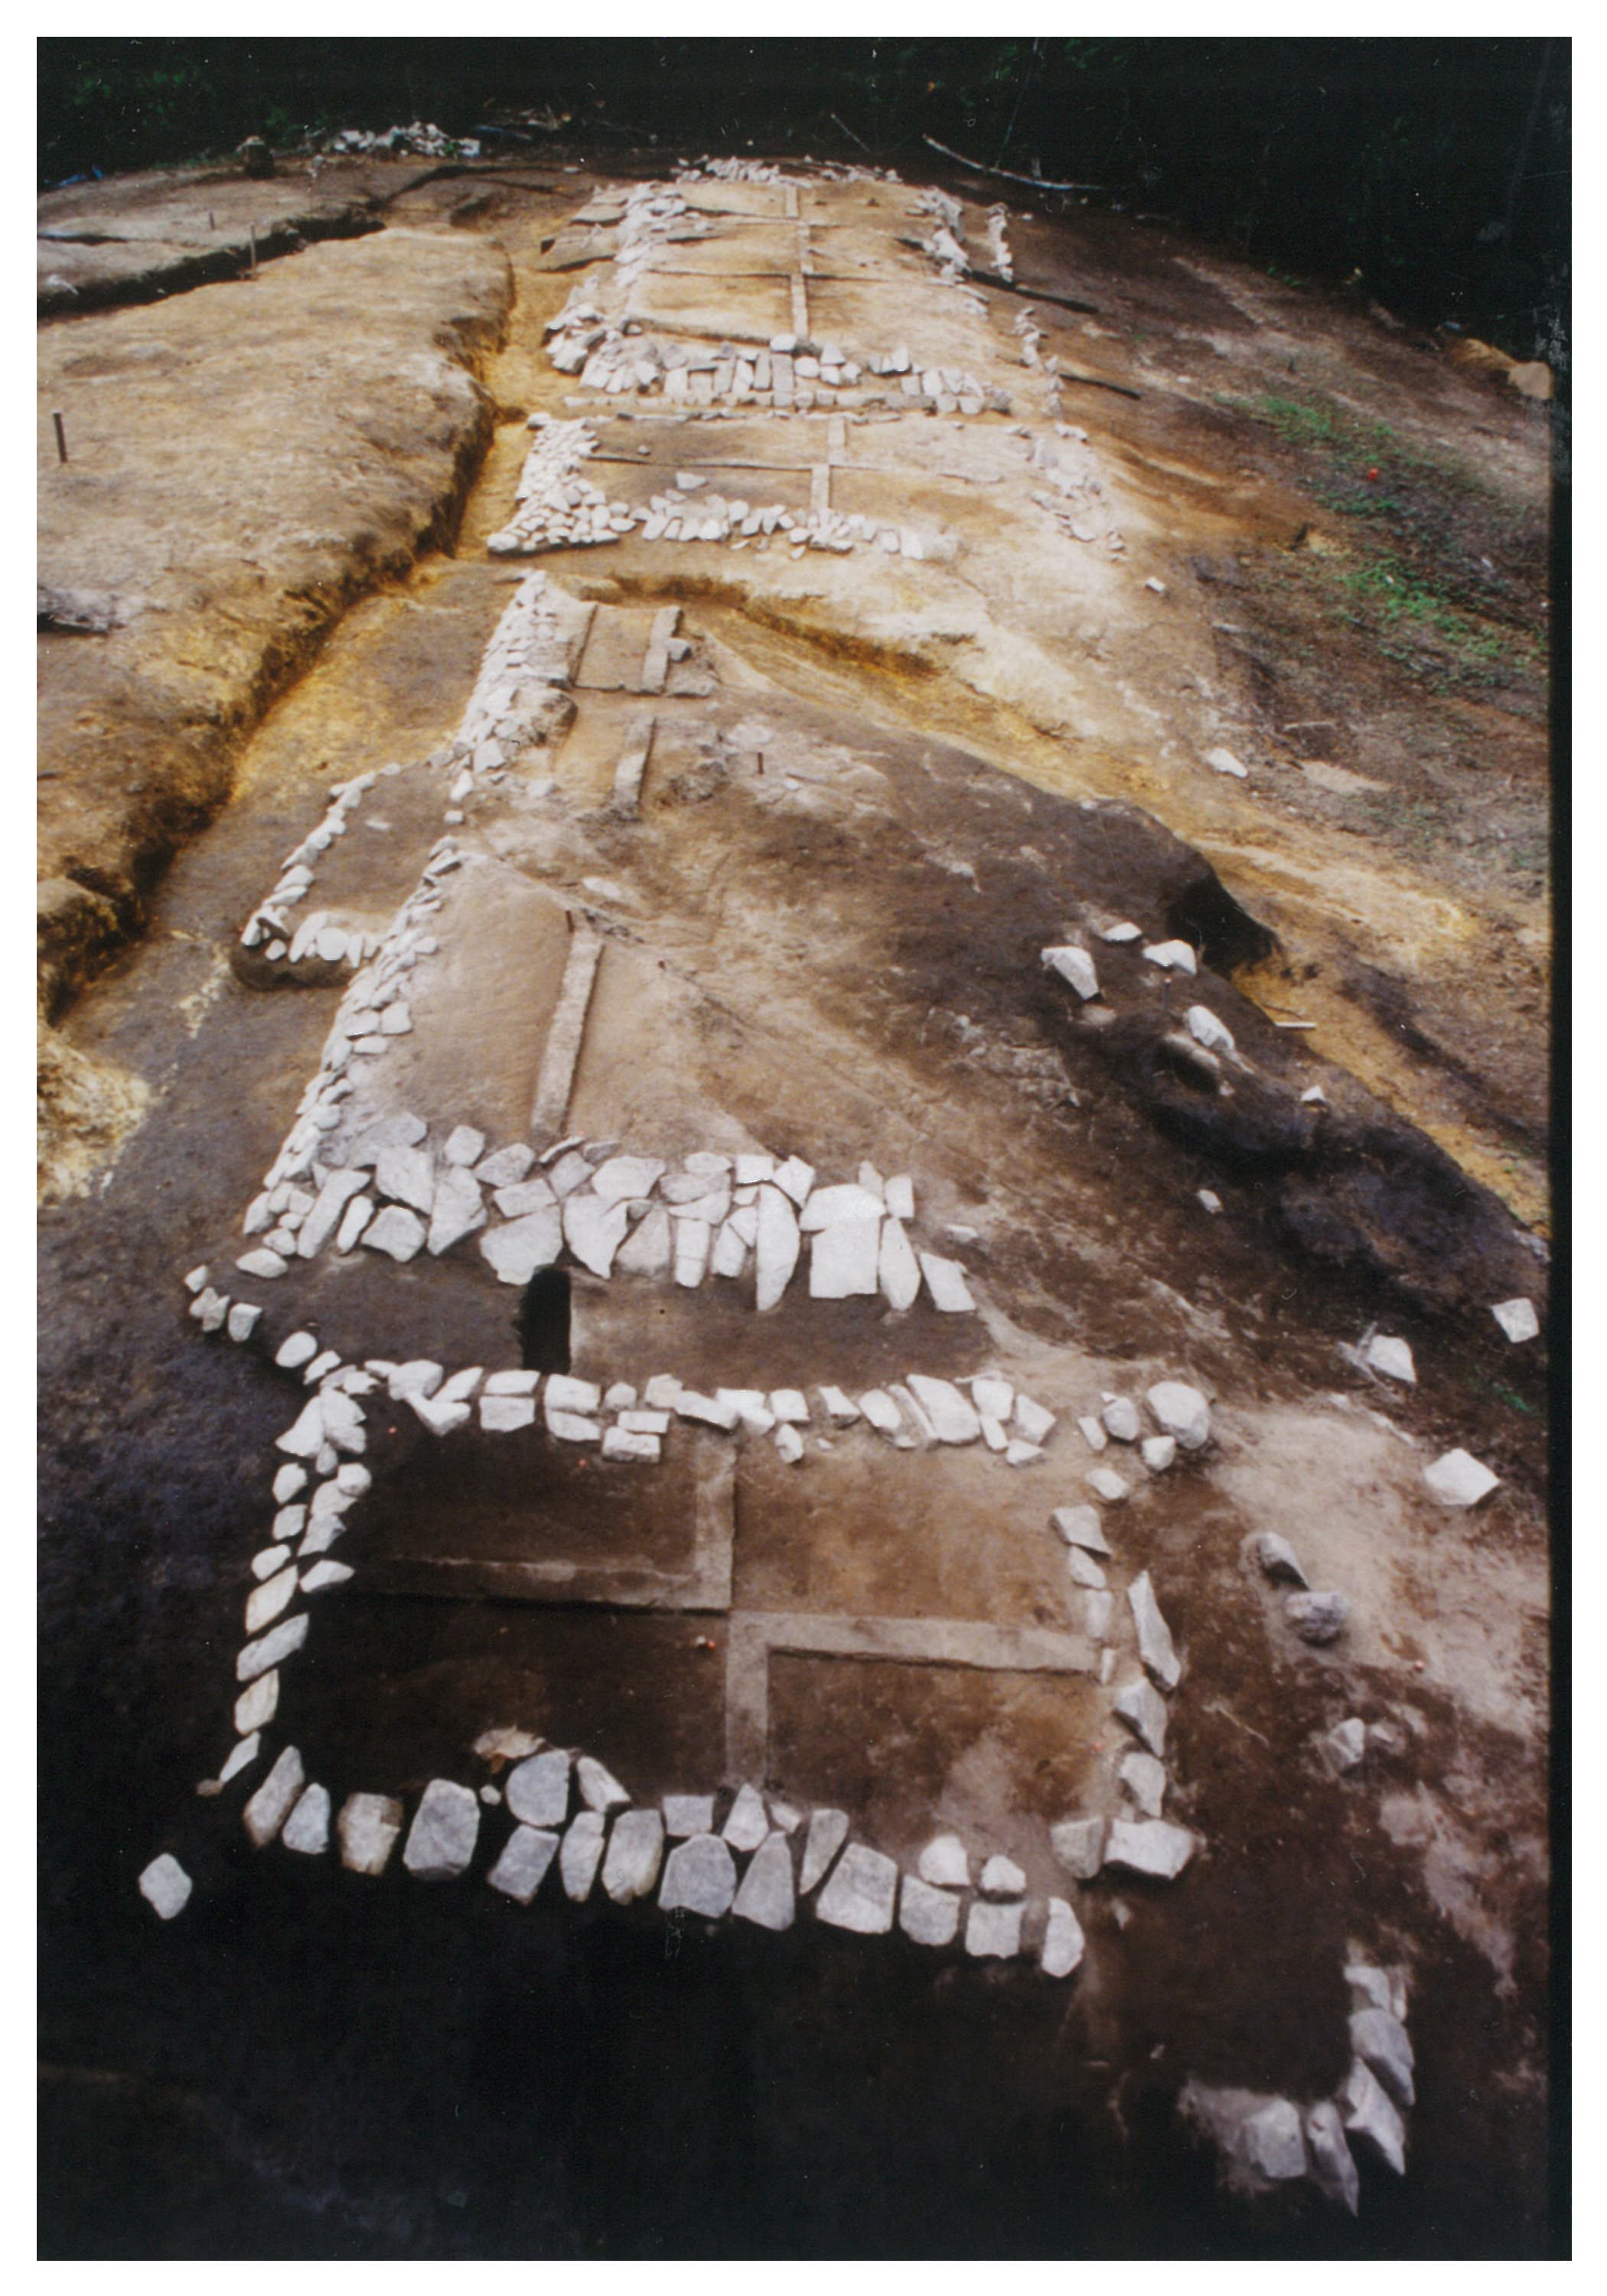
pixel 861 1892
pixel 446 1827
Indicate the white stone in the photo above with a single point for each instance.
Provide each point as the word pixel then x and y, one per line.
pixel 1158 1452
pixel 795 1178
pixel 644 1422
pixel 1458 1479
pixel 1030 1420
pixel 522 1866
pixel 262 1263
pixel 457 1210
pixel 516 1250
pixel 730 1253
pixel 1208 1197
pixel 843 1264
pixel 828 1831
pixel 242 1320
pixel 993 1397
pixel 464 1146
pixel 1078 1526
pixel 1518 1319
pixel 1368 2112
pixel 840 1409
pixel 1346 1744
pixel 244 1755
pixel 306 1828
pixel 1154 1635
pixel 1171 956
pixel 635 1850
pixel 1084 1570
pixel 1222 761
pixel 1271 2142
pixel 581 1854
pixel 445 1829
pixel 368 1826
pixel 789 1445
pixel 1002 1877
pixel 257 1707
pixel 522 1196
pixel 1383 2042
pixel 538 1789
pixel 1105 1483
pixel 700 1877
pixel 897 1270
pixel 945 1282
pixel 748 1824
pixel 600 1789
pixel 166 1886
pixel 1144 1711
pixel 993 1931
pixel 1074 966
pixel 594 1231
pixel 275 1798
pixel 788 1404
pixel 898 1193
pixel 1079 1844
pixel 418 1377
pixel 1119 932
pixel 766 1895
pixel 288 1483
pixel 662 1392
pixel 860 1893
pixel 504 1414
pixel 1150 1846
pixel 926 1915
pixel 1093 1434
pixel 1063 1942
pixel 640 1450
pixel 1206 1029
pixel 880 1410
pixel 1181 1412
pixel 398 1233
pixel 264 1602
pixel 650 1249
pixel 685 1813
pixel 953 1419
pixel 1332 2169
pixel 626 1176
pixel 707 1409
pixel 405 1174
pixel 506 1167
pixel 1121 1420
pixel 1145 1781
pixel 776 1248
pixel 1392 1358
pixel 277 1645
pixel 944 1864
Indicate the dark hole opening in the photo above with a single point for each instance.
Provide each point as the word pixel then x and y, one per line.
pixel 544 1321
pixel 1207 916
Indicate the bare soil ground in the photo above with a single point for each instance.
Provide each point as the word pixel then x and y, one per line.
pixel 879 790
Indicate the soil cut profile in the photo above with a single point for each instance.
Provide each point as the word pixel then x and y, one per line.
pixel 793 1132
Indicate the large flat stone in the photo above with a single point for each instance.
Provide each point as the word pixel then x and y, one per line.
pixel 993 1931
pixel 897 1270
pixel 766 1895
pixel 517 1249
pixel 522 1865
pixel 635 1850
pixel 1079 1844
pixel 538 1789
pixel 700 1877
pixel 776 1246
pixel 270 1649
pixel 594 1232
pixel 1182 1412
pixel 1458 1479
pixel 860 1893
pixel 306 1828
pixel 947 1282
pixel 1150 1846
pixel 927 1915
pixel 844 1258
pixel 953 1419
pixel 445 1828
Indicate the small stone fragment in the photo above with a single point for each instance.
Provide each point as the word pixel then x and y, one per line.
pixel 445 1829
pixel 1074 967
pixel 1458 1479
pixel 1063 1941
pixel 166 1886
pixel 1002 1877
pixel 1383 2042
pixel 1518 1319
pixel 1275 1557
pixel 369 1826
pixel 1332 2169
pixel 1144 1710
pixel 1368 2112
pixel 1078 1526
pixel 1158 1452
pixel 1154 1635
pixel 1145 1781
pixel 945 1282
pixel 1181 1411
pixel 1106 1484
pixel 1171 956
pixel 944 1864
pixel 600 1789
pixel 1121 1420
pixel 748 1824
pixel 1079 1844
pixel 275 1798
pixel 1318 1619
pixel 1151 1846
pixel 1346 1744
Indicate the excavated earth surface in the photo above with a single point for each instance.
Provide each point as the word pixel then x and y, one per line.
pixel 760 860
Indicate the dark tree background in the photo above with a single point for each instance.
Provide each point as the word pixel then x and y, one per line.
pixel 1431 174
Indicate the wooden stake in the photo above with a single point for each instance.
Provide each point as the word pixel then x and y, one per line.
pixel 61 434
pixel 251 229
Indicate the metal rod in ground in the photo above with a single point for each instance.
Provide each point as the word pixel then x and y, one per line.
pixel 251 232
pixel 61 434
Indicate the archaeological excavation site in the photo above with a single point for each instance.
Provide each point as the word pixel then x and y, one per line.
pixel 793 1084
